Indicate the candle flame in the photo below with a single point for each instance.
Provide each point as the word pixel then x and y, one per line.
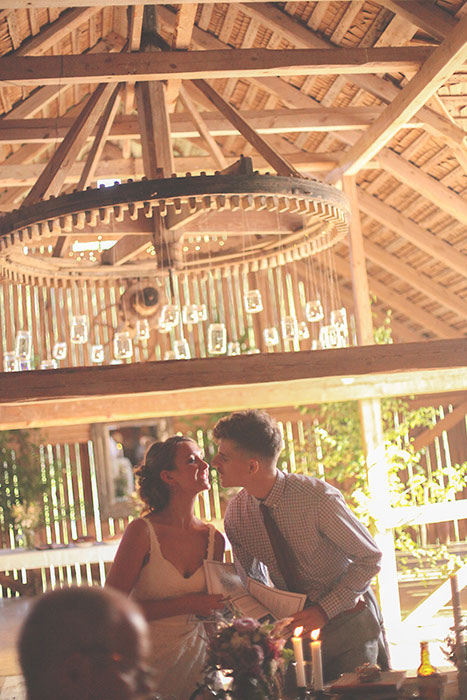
pixel 297 631
pixel 315 634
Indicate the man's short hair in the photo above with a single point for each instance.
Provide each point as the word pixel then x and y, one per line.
pixel 253 431
pixel 68 620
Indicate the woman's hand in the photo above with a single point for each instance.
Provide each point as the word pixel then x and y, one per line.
pixel 205 603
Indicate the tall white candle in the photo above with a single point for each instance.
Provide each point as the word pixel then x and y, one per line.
pixel 298 654
pixel 316 661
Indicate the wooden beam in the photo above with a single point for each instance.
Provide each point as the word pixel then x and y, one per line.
pixel 94 155
pixel 54 4
pixel 194 386
pixel 35 102
pixel 441 295
pixel 125 249
pixel 449 421
pixel 203 129
pixel 446 59
pixel 154 126
pixel 280 164
pixel 431 18
pixel 400 303
pixel 302 37
pixel 164 65
pixel 53 33
pixel 275 121
pixel 103 130
pixel 434 191
pixel 414 233
pixel 401 332
pixel 181 40
pixel 213 400
pixel 362 304
pixel 135 27
pixel 51 180
pixel 22 174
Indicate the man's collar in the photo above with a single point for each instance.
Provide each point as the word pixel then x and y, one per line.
pixel 275 494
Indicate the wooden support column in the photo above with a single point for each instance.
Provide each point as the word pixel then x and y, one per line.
pixel 372 429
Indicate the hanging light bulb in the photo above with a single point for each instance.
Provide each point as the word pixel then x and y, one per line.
pixel 190 314
pixel 79 329
pixel 233 348
pixel 9 361
pixel 202 312
pixel 170 316
pixel 329 337
pixel 271 336
pixel 59 351
pixel 339 317
pixel 23 365
pixel 142 329
pixel 123 346
pixel 97 353
pixel 289 327
pixel 253 301
pixel 314 311
pixel 23 345
pixel 49 364
pixel 217 339
pixel 182 349
pixel 303 331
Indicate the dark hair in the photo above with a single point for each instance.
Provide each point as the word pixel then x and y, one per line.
pixel 153 491
pixel 254 431
pixel 67 620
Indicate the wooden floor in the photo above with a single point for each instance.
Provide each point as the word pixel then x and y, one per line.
pixel 12 614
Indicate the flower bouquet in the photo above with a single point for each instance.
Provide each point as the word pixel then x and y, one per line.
pixel 451 643
pixel 27 518
pixel 250 654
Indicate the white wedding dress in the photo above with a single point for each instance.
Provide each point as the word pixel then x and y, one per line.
pixel 179 646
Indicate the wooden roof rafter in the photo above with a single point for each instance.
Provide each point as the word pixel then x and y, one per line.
pixel 428 230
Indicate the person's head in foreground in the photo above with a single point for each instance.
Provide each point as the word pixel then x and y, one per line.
pixel 249 444
pixel 84 644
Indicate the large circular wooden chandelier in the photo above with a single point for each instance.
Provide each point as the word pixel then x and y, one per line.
pixel 272 220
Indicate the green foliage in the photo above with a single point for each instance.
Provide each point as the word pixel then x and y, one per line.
pixel 20 479
pixel 334 448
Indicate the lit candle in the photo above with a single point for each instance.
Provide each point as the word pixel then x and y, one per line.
pixel 298 654
pixel 316 661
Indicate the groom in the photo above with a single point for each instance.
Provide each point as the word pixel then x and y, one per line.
pixel 321 548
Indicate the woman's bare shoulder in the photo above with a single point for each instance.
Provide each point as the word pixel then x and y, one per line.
pixel 137 529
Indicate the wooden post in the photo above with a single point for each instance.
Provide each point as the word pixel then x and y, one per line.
pixel 371 427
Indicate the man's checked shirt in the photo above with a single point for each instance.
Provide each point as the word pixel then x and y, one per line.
pixel 336 556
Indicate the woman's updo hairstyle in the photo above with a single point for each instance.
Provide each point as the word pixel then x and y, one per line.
pixel 160 456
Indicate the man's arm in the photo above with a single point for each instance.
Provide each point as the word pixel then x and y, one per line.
pixel 341 526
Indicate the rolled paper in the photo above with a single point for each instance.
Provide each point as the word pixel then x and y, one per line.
pixel 316 661
pixel 298 654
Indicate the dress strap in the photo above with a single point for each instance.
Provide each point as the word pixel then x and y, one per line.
pixel 211 541
pixel 153 541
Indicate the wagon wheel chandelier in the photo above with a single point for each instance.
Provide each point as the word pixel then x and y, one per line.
pixel 280 219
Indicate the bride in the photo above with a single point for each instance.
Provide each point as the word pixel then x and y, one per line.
pixel 159 562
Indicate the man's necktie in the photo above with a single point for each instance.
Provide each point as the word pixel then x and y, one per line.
pixel 284 557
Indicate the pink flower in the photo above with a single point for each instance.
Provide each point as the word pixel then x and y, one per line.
pixel 246 624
